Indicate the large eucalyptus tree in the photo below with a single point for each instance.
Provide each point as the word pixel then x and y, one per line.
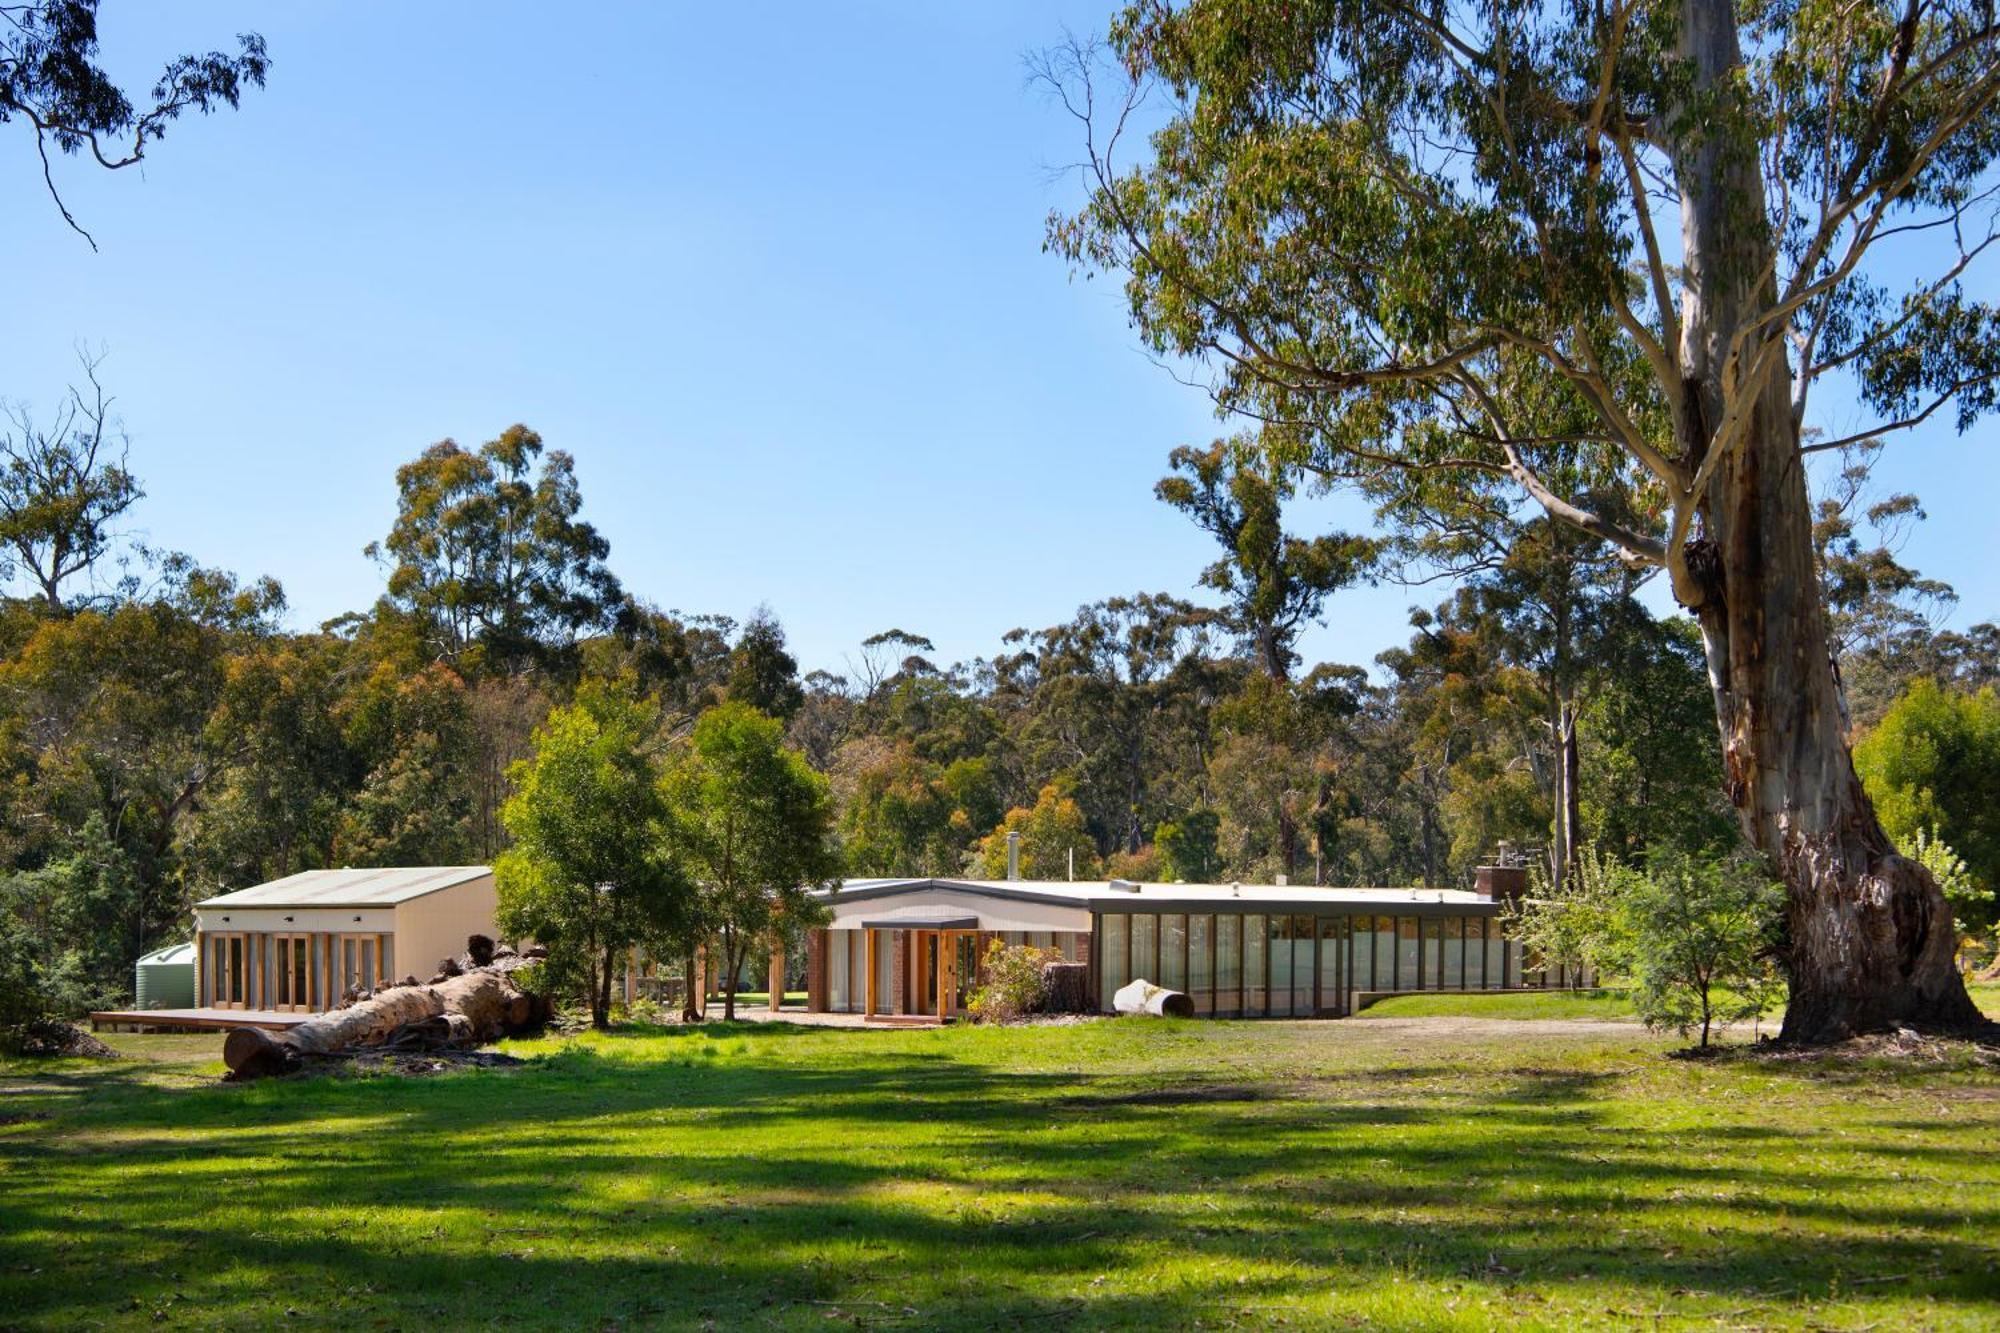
pixel 1437 241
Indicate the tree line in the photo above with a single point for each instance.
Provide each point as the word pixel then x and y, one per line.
pixel 1428 257
pixel 165 737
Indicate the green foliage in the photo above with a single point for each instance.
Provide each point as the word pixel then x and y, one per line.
pixel 761 673
pixel 1583 923
pixel 1651 771
pixel 1693 932
pixel 755 826
pixel 61 487
pixel 1932 767
pixel 902 814
pixel 591 873
pixel 50 78
pixel 1011 983
pixel 1188 847
pixel 1703 930
pixel 1053 839
pixel 1970 902
pixel 486 553
pixel 1276 584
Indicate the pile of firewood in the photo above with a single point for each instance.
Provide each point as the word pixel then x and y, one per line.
pixel 473 999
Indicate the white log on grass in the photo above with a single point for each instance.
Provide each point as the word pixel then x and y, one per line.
pixel 1143 997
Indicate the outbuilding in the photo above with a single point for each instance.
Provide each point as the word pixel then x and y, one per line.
pixel 300 943
pixel 913 947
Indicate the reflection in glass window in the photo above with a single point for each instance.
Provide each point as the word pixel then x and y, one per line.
pixel 1496 956
pixel 1173 951
pixel 1201 963
pixel 1385 953
pixel 1111 973
pixel 836 957
pixel 1332 961
pixel 1454 952
pixel 1229 965
pixel 1409 955
pixel 1146 948
pixel 1281 966
pixel 1253 967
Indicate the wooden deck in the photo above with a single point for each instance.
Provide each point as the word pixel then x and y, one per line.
pixel 193 1020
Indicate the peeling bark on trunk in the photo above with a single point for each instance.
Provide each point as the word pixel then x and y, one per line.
pixel 1868 937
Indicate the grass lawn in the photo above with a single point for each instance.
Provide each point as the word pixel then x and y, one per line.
pixel 1606 1004
pixel 1151 1174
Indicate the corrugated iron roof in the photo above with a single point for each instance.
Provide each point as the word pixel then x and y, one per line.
pixel 350 888
pixel 1113 895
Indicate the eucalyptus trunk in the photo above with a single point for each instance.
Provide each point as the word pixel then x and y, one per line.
pixel 1867 940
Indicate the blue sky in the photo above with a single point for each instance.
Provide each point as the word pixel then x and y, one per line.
pixel 772 273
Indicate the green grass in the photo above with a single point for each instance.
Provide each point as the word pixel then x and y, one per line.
pixel 1135 1173
pixel 763 997
pixel 1606 1004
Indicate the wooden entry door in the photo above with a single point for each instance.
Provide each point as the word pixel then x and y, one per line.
pixel 292 964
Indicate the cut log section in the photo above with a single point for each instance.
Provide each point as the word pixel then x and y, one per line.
pixel 471 1009
pixel 1143 997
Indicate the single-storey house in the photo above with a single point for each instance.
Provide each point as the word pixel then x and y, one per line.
pixel 298 944
pixel 913 946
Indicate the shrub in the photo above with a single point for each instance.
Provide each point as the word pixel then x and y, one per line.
pixel 1702 929
pixel 1584 923
pixel 1013 982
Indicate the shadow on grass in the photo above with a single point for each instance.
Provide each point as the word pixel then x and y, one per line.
pixel 620 1181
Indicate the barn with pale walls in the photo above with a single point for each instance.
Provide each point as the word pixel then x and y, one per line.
pixel 296 945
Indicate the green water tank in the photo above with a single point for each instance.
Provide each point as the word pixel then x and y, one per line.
pixel 166 979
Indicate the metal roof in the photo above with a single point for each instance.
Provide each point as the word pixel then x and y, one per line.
pixel 1120 895
pixel 350 888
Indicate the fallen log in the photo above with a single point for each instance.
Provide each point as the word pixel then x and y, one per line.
pixel 1143 997
pixel 475 1007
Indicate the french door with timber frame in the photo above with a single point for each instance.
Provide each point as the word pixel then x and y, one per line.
pixel 227 965
pixel 293 971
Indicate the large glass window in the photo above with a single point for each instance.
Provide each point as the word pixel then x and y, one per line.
pixel 1229 965
pixel 1173 951
pixel 1496 956
pixel 1113 937
pixel 1430 929
pixel 1304 938
pixel 1409 954
pixel 1332 962
pixel 1454 952
pixel 885 972
pixel 1254 973
pixel 838 981
pixel 1281 966
pixel 1201 963
pixel 1146 948
pixel 1385 953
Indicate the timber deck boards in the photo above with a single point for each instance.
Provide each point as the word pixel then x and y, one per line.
pixel 196 1020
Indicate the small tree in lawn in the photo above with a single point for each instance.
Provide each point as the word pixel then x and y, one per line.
pixel 755 824
pixel 1702 931
pixel 590 875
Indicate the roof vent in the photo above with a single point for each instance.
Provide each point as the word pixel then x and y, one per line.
pixel 1125 885
pixel 1235 889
